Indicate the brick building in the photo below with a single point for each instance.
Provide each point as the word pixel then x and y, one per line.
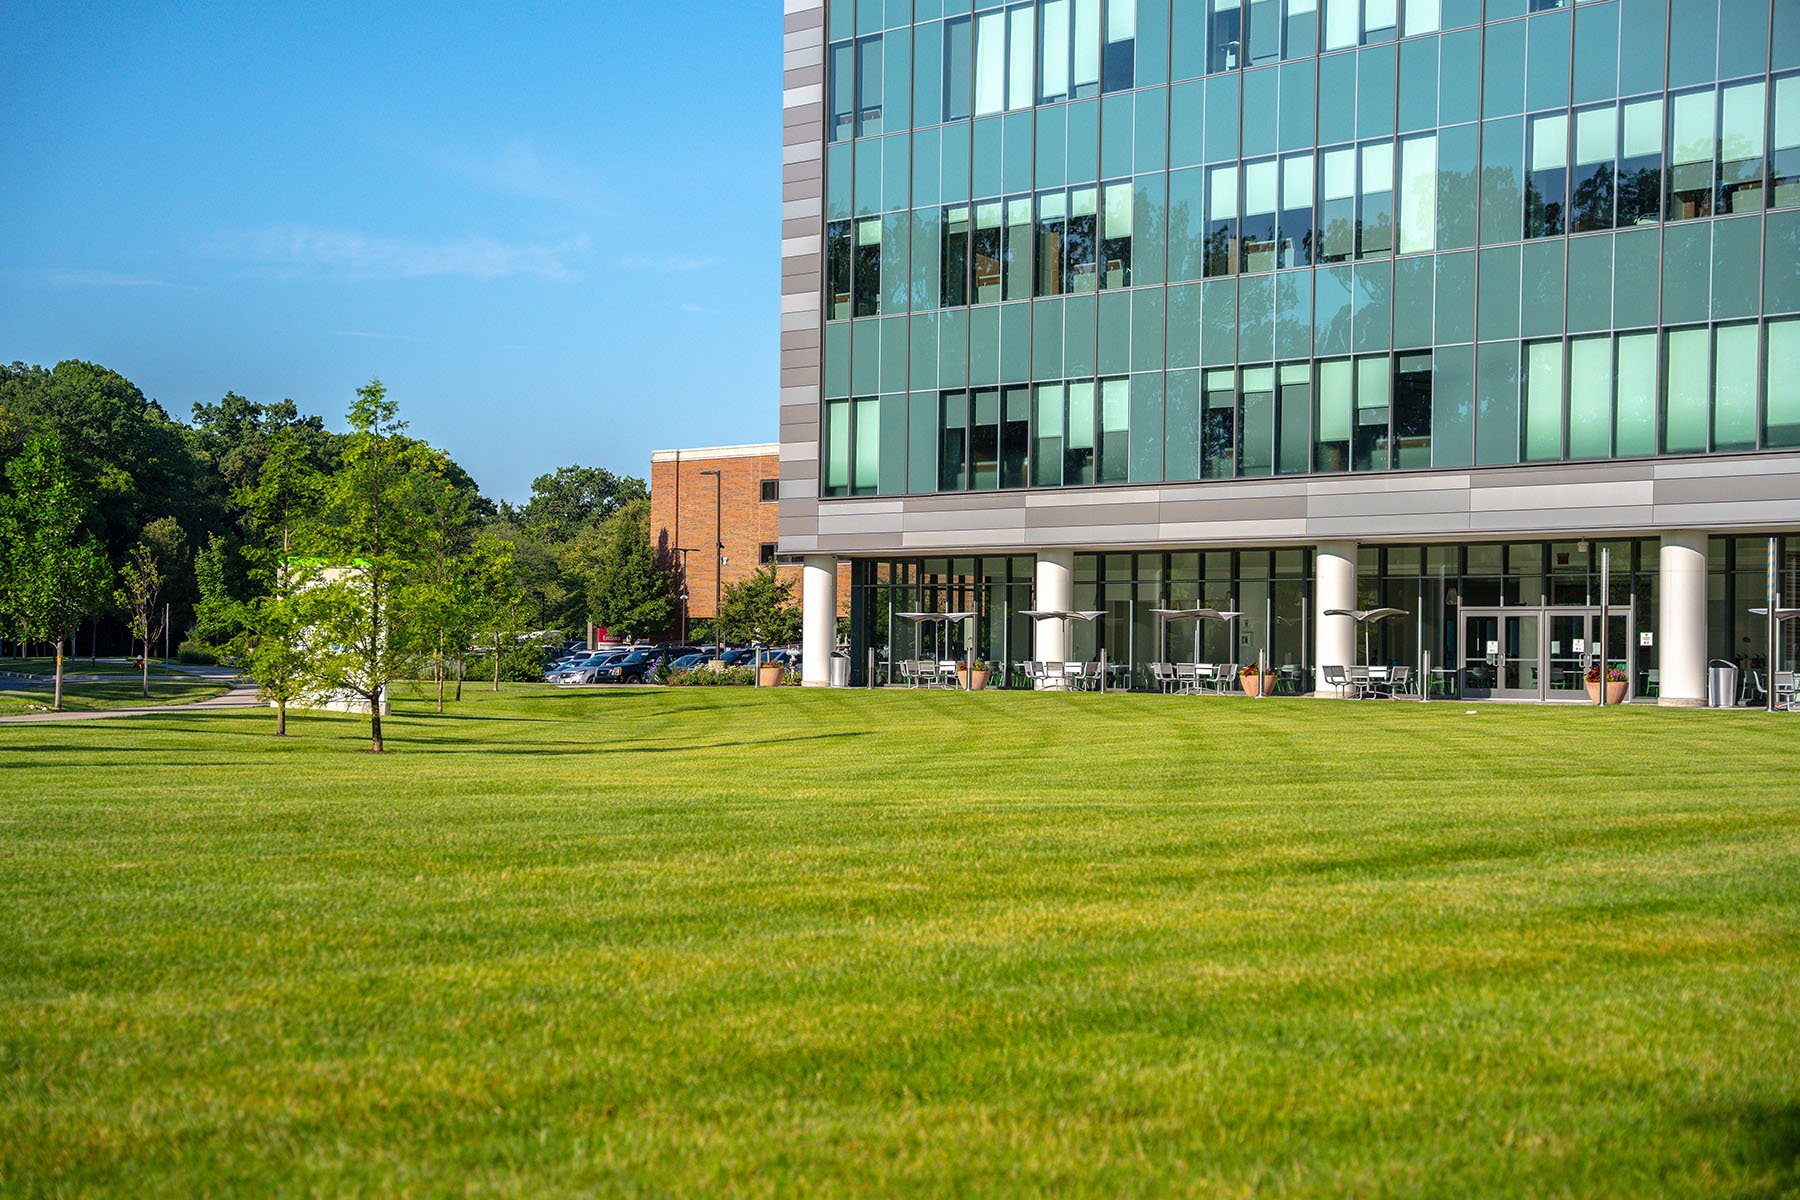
pixel 727 489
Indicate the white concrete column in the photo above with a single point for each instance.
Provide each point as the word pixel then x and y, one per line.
pixel 818 611
pixel 1681 620
pixel 1334 586
pixel 1055 589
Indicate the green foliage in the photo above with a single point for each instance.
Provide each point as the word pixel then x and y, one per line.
pixel 53 573
pixel 363 619
pixel 760 609
pixel 572 499
pixel 524 662
pixel 196 654
pixel 712 677
pixel 627 587
pixel 129 461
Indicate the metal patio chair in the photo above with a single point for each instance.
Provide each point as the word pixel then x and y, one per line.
pixel 1336 677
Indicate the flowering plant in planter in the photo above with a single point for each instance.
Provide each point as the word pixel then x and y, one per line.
pixel 1613 674
pixel 1254 681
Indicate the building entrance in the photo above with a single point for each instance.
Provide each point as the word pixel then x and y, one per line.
pixel 1541 653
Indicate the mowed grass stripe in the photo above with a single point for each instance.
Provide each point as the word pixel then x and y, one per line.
pixel 716 942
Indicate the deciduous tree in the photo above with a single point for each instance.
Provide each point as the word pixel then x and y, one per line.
pixel 144 581
pixel 760 609
pixel 53 572
pixel 371 533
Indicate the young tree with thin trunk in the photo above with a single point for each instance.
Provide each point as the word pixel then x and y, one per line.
pixel 267 631
pixel 444 597
pixel 144 581
pixel 370 532
pixel 499 596
pixel 52 570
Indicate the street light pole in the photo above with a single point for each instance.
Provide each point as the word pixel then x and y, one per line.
pixel 718 551
pixel 684 551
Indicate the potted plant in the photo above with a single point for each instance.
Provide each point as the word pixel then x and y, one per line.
pixel 770 674
pixel 1615 684
pixel 977 681
pixel 1255 682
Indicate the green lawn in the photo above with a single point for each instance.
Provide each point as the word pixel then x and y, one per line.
pixel 715 942
pixel 120 685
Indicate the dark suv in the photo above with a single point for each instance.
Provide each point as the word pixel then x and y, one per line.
pixel 636 667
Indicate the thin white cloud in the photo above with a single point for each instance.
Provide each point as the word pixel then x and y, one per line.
pixel 307 250
pixel 379 337
pixel 521 169
pixel 77 278
pixel 668 264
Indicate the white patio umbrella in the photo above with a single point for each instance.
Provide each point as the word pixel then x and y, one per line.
pixel 1165 615
pixel 946 619
pixel 1065 615
pixel 1363 617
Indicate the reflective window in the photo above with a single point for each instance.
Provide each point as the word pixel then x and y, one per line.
pixel 1590 397
pixel 1546 181
pixel 1784 143
pixel 1782 418
pixel 1258 234
pixel 1331 423
pixel 1543 402
pixel 1418 194
pixel 1687 375
pixel 1691 151
pixel 1634 401
pixel 1742 109
pixel 1114 452
pixel 1293 418
pixel 1256 422
pixel 959 61
pixel 1640 163
pixel 1296 236
pixel 1412 411
pixel 1591 183
pixel 1734 387
pixel 1217 426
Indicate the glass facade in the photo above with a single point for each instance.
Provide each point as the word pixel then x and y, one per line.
pixel 1500 619
pixel 1105 242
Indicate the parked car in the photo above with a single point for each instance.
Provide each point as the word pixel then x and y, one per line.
pixel 691 662
pixel 635 667
pixel 583 670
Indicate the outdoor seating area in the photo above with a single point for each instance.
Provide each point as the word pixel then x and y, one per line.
pixel 1375 682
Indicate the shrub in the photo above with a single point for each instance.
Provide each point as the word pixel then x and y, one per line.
pixel 707 677
pixel 195 654
pixel 522 664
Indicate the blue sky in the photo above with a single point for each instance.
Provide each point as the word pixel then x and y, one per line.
pixel 551 229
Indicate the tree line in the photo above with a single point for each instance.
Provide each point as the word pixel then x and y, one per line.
pixel 323 562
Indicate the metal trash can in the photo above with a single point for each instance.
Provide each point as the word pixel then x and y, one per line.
pixel 840 670
pixel 1721 684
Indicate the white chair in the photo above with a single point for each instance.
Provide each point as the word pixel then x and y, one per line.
pixel 1335 677
pixel 1187 678
pixel 1225 678
pixel 1164 676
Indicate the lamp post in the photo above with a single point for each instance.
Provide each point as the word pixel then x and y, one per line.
pixel 718 551
pixel 684 551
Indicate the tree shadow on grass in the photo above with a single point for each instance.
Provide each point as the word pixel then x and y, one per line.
pixel 75 755
pixel 1764 1137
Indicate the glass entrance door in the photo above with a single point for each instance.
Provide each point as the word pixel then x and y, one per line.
pixel 1571 650
pixel 1540 653
pixel 1503 655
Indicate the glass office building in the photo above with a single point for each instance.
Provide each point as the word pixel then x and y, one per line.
pixel 1294 305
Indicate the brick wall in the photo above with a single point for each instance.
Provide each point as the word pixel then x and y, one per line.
pixel 684 503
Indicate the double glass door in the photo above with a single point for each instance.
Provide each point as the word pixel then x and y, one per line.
pixel 1540 653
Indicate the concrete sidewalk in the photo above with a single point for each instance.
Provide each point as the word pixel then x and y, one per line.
pixel 241 695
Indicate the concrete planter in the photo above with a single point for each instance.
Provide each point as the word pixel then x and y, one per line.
pixel 769 675
pixel 1257 685
pixel 1615 692
pixel 972 683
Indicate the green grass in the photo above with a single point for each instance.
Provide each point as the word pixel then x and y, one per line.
pixel 121 686
pixel 719 942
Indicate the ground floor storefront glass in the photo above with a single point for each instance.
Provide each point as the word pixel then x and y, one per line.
pixel 1521 620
